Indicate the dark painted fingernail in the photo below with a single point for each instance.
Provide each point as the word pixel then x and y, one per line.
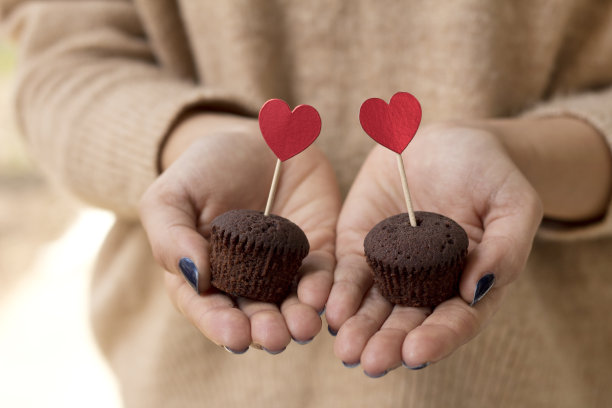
pixel 483 286
pixel 229 350
pixel 190 272
pixel 322 311
pixel 302 342
pixel 332 331
pixel 353 365
pixel 274 352
pixel 376 375
pixel 419 367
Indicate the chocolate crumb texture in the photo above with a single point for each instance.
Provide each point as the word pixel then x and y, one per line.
pixel 417 266
pixel 256 256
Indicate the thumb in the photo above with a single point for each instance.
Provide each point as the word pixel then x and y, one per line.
pixel 170 221
pixel 509 229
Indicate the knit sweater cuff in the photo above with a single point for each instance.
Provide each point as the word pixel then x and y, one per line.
pixel 127 140
pixel 595 108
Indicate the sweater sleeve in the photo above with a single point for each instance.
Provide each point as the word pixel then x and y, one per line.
pixel 93 102
pixel 595 108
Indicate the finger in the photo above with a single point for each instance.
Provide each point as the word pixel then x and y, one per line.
pixel 383 351
pixel 169 220
pixel 268 328
pixel 316 279
pixel 509 229
pixel 356 331
pixel 452 324
pixel 302 320
pixel 213 313
pixel 352 280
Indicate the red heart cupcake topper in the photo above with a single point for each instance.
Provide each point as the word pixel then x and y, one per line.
pixel 288 133
pixel 393 125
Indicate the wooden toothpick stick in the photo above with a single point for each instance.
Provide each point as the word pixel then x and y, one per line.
pixel 402 171
pixel 273 187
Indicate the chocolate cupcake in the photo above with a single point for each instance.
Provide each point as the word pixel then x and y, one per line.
pixel 417 266
pixel 256 256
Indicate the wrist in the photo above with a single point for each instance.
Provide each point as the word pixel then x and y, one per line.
pixel 566 160
pixel 195 125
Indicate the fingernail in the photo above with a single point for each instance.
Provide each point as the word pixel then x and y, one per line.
pixel 302 342
pixel 483 286
pixel 229 350
pixel 353 365
pixel 332 331
pixel 274 352
pixel 190 272
pixel 419 367
pixel 322 311
pixel 376 375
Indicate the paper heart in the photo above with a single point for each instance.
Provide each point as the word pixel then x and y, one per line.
pixel 393 125
pixel 288 132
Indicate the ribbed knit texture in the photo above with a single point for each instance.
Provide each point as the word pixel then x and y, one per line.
pixel 102 82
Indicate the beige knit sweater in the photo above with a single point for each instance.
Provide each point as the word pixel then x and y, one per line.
pixel 101 82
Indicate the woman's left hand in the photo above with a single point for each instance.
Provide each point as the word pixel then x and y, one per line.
pixel 466 174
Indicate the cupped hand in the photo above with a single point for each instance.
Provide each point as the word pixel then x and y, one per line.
pixel 217 163
pixel 464 173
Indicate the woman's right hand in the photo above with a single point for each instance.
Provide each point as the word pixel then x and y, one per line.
pixel 214 163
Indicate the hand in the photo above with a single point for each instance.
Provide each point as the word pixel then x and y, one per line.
pixel 217 163
pixel 466 174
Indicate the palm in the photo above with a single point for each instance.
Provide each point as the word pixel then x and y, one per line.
pixel 481 194
pixel 228 171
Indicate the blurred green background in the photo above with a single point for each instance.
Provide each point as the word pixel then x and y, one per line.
pixel 12 157
pixel 7 58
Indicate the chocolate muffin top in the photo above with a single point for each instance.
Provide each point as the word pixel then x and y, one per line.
pixel 252 227
pixel 435 239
